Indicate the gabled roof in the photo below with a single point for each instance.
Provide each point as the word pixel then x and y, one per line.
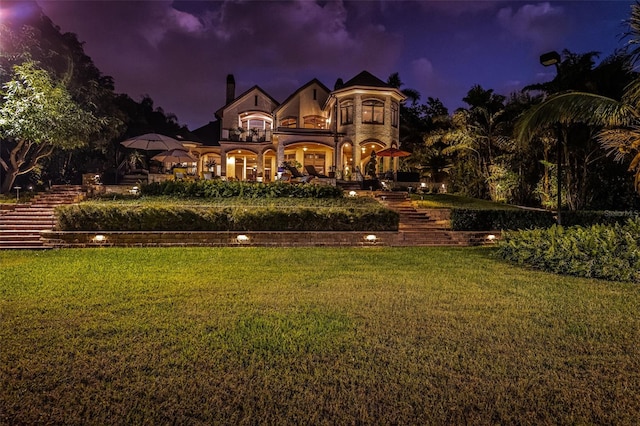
pixel 365 78
pixel 256 87
pixel 294 94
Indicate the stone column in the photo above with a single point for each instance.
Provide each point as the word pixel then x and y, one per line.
pixel 260 166
pixel 223 163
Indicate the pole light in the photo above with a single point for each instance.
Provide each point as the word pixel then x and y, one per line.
pixel 548 59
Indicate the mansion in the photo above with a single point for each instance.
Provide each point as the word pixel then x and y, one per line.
pixel 335 131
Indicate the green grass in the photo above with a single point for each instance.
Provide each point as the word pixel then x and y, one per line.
pixel 448 201
pixel 311 336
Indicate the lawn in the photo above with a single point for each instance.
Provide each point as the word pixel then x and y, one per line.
pixel 447 201
pixel 311 336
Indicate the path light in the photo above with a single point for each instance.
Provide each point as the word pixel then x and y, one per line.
pixel 491 238
pixel 371 238
pixel 99 239
pixel 242 238
pixel 353 193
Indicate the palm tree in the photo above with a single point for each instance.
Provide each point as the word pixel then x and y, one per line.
pixel 616 123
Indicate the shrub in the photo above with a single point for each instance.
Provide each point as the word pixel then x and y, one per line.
pixel 95 217
pixel 588 218
pixel 609 252
pixel 488 220
pixel 227 189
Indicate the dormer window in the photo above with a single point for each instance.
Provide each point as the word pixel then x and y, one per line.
pixel 373 111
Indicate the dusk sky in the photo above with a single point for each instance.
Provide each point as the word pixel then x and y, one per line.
pixel 179 53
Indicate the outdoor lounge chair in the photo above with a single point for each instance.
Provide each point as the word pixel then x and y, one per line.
pixel 313 172
pixel 297 176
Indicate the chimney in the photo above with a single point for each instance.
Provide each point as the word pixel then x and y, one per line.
pixel 231 88
pixel 339 84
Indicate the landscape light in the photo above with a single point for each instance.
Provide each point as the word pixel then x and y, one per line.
pixel 242 238
pixel 99 238
pixel 491 237
pixel 371 238
pixel 352 193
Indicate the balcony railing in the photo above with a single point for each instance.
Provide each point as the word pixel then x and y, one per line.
pixel 253 135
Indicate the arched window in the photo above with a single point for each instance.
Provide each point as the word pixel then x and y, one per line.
pixel 395 115
pixel 373 111
pixel 290 122
pixel 346 112
pixel 314 122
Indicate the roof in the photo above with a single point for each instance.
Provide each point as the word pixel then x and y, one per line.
pixel 209 134
pixel 256 87
pixel 294 94
pixel 365 78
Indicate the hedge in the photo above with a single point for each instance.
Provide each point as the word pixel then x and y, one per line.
pixel 609 252
pixel 227 189
pixel 85 217
pixel 487 220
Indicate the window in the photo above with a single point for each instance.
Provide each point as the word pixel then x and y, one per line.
pixel 346 112
pixel 314 122
pixel 317 160
pixel 315 95
pixel 394 114
pixel 373 112
pixel 290 122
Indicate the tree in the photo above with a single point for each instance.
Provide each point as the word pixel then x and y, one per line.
pixel 578 118
pixel 36 117
pixel 477 137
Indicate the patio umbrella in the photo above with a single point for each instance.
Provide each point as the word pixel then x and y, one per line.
pixel 175 156
pixel 152 142
pixel 392 152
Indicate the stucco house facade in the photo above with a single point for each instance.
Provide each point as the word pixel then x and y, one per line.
pixel 335 131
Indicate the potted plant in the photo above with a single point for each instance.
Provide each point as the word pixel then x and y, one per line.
pixel 210 164
pixel 235 133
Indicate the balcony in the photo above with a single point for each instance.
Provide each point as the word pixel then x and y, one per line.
pixel 253 135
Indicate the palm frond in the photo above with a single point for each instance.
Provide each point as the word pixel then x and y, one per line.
pixel 620 142
pixel 574 107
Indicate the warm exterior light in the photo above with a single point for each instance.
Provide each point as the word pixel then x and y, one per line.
pixel 371 238
pixel 550 58
pixel 99 238
pixel 304 149
pixel 491 237
pixel 423 184
pixel 352 193
pixel 242 238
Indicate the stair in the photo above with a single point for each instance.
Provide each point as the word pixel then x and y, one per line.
pixel 20 228
pixel 416 228
pixel 132 179
pixel 349 185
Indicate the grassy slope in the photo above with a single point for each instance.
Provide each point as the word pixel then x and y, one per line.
pixel 441 201
pixel 311 336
